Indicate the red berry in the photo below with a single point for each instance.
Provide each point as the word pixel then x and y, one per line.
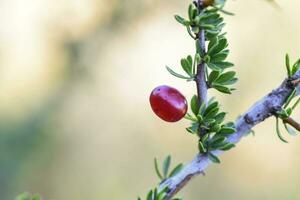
pixel 168 103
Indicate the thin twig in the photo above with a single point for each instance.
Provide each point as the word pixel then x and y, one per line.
pixel 296 82
pixel 292 122
pixel 200 76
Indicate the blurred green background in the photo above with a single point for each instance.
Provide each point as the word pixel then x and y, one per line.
pixel 75 76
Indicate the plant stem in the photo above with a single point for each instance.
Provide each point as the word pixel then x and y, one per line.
pixel 200 75
pixel 296 82
pixel 201 69
pixel 293 123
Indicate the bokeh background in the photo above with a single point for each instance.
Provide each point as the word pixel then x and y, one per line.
pixel 75 76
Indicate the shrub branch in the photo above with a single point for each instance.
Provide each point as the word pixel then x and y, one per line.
pixel 266 107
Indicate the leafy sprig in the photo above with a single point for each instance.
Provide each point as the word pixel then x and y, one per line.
pixel 164 173
pixel 188 65
pixel 215 59
pixel 157 195
pixel 291 69
pixel 208 118
pixel 285 113
pixel 207 121
pixel 27 196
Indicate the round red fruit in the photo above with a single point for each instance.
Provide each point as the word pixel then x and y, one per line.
pixel 168 103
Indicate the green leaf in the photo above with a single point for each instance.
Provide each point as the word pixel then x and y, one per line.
pixel 188 68
pixel 181 20
pixel 282 114
pixel 222 89
pixel 230 82
pixel 223 65
pixel 213 158
pixel 205 138
pixel 202 109
pixel 27 196
pixel 195 105
pixel 296 67
pixel 290 97
pixel 201 147
pixel 194 128
pixel 213 32
pixel 161 195
pixel 212 105
pixel 288 66
pixel 176 170
pixel 188 29
pixel 207 26
pixel 190 60
pixel 157 169
pixel 24 196
pixel 178 75
pixel 289 111
pixel 278 131
pixel 195 29
pixel 212 46
pixel 221 45
pixel 213 42
pixel 220 117
pixel 217 140
pixel 221 56
pixel 166 166
pixel 36 197
pixel 192 12
pixel 225 77
pixel 190 117
pixel 212 113
pixel 227 147
pixel 215 128
pixel 213 66
pixel 150 195
pixel 227 130
pixel 213 76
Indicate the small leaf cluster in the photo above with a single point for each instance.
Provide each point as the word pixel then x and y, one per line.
pixel 209 20
pixel 216 60
pixel 287 110
pixel 208 123
pixel 27 196
pixel 284 114
pixel 163 174
pixel 166 172
pixel 157 195
pixel 291 69
pixel 188 65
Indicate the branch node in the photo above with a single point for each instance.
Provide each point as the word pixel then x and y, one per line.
pixel 248 119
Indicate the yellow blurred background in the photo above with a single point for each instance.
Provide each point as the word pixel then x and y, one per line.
pixel 75 76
